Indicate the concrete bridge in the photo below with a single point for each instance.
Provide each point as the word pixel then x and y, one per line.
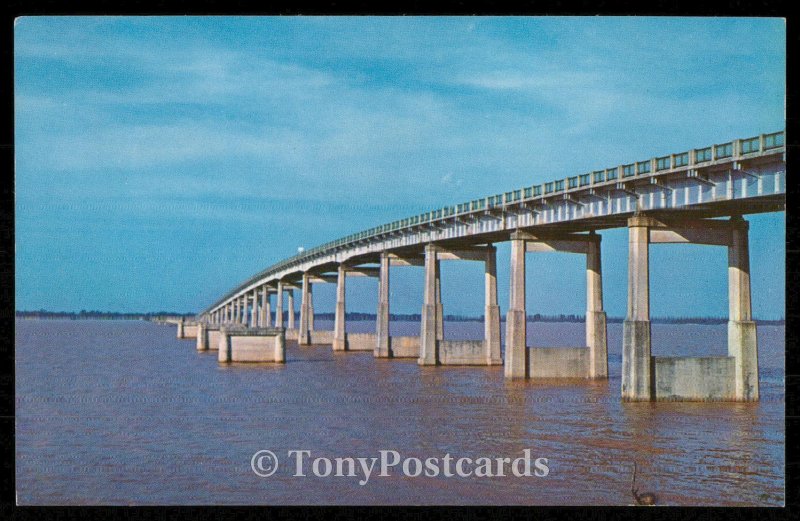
pixel 694 197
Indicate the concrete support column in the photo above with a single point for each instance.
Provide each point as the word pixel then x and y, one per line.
pixel 596 329
pixel 742 340
pixel 268 322
pixel 516 362
pixel 243 310
pixel 290 317
pixel 637 381
pixel 262 319
pixel 202 337
pixel 339 334
pixel 428 349
pixel 491 320
pixel 279 306
pixel 235 318
pixel 254 310
pixel 180 329
pixel 302 336
pixel 382 348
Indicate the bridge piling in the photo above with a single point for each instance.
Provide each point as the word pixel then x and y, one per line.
pixel 290 313
pixel 596 328
pixel 339 319
pixel 428 353
pixel 516 359
pixel 279 306
pixel 646 377
pixel 262 315
pixel 382 347
pixel 636 357
pixel 305 292
pixel 254 309
pixel 491 316
pixel 742 339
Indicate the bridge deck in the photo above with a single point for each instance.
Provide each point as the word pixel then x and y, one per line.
pixel 740 177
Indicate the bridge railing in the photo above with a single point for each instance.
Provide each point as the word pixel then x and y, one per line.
pixel 739 148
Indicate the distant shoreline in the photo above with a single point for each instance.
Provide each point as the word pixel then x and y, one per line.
pixel 100 315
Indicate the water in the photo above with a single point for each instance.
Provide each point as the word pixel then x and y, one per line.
pixel 121 412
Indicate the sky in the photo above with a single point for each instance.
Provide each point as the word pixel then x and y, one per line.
pixel 161 161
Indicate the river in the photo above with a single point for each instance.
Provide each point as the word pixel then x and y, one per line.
pixel 122 412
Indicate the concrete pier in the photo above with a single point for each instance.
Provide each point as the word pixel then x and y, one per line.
pixel 305 293
pixel 252 345
pixel 516 363
pixel 636 364
pixel 562 362
pixel 263 320
pixel 207 336
pixel 254 309
pixel 268 313
pixel 742 339
pixel 339 323
pixel 279 306
pixel 186 329
pixel 388 346
pixel 596 327
pixel 428 345
pixel 491 321
pixel 645 377
pixel 290 313
pixel 434 350
pixel 382 349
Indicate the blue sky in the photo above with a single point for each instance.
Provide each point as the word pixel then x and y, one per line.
pixel 162 160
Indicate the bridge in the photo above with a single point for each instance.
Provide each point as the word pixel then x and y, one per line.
pixel 694 197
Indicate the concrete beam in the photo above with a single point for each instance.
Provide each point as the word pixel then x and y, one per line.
pixel 564 246
pixel 362 272
pixel 396 260
pixel 473 254
pixel 321 279
pixel 701 231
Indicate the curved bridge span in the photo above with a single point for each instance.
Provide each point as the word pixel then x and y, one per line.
pixel 698 196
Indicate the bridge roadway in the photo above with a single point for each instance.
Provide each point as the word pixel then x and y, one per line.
pixel 676 198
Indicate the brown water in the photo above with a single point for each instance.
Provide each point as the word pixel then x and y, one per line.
pixel 116 412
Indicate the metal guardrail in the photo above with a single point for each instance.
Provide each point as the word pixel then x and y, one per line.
pixel 739 148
